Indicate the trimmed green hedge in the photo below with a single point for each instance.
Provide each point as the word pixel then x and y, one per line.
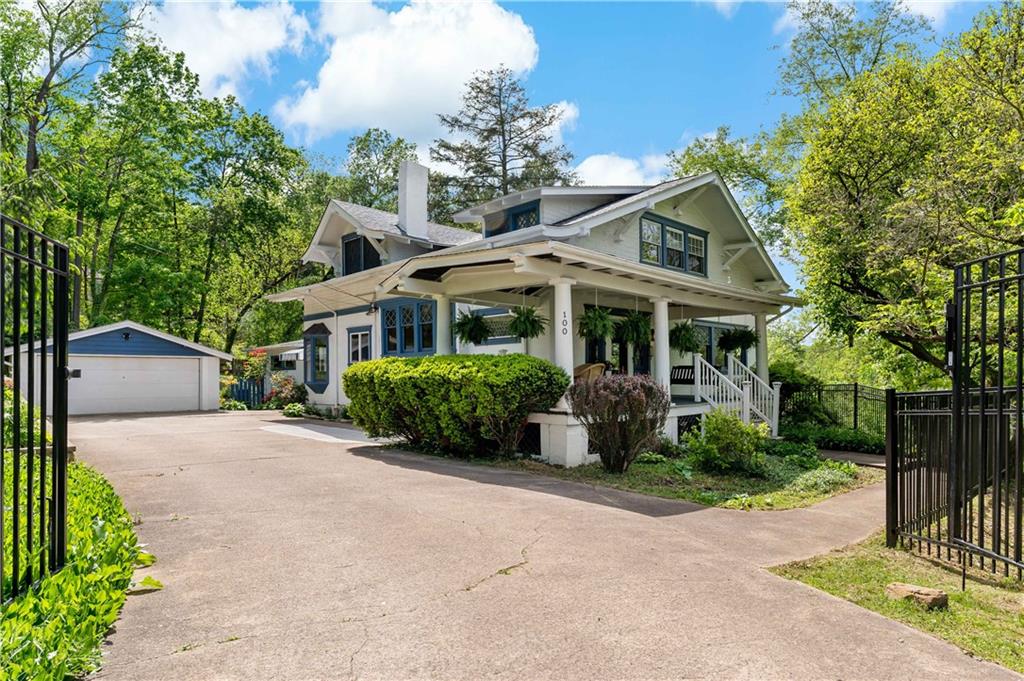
pixel 55 630
pixel 466 405
pixel 833 437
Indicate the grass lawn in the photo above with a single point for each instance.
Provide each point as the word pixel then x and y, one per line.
pixel 986 620
pixel 786 486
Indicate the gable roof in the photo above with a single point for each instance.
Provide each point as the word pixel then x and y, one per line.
pixel 378 223
pixel 134 326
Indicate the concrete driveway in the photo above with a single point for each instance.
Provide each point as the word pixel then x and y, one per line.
pixel 294 550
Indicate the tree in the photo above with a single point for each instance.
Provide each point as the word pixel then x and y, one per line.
pixel 915 166
pixel 833 45
pixel 372 168
pixel 500 144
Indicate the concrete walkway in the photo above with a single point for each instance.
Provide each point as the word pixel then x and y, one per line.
pixel 294 550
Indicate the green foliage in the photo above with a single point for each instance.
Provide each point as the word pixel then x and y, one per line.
pixel 466 405
pixel 683 338
pixel 803 454
pixel 500 143
pixel 372 166
pixel 728 445
pixel 669 449
pixel 731 340
pixel 294 409
pixel 634 328
pixel 55 630
pixel 595 323
pixel 284 391
pixel 622 416
pixel 527 322
pixel 228 404
pixel 255 366
pixel 828 475
pixel 833 437
pixel 649 458
pixel 471 327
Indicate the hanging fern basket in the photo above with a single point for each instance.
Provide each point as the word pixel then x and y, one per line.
pixel 595 323
pixel 527 323
pixel 471 328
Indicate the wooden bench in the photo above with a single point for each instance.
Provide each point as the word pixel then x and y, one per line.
pixel 681 375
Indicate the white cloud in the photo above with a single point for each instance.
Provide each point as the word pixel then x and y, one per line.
pixel 226 43
pixel 727 8
pixel 398 70
pixel 612 169
pixel 569 114
pixel 933 10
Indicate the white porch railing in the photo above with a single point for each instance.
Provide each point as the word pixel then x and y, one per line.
pixel 739 392
pixel 712 386
pixel 764 398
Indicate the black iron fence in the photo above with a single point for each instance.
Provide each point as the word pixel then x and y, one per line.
pixel 850 405
pixel 33 467
pixel 956 458
pixel 918 448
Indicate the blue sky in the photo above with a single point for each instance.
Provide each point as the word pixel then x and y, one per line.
pixel 634 80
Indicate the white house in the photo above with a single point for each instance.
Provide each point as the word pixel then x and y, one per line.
pixel 285 359
pixel 678 250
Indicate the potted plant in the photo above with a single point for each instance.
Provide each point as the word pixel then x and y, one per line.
pixel 683 338
pixel 527 323
pixel 596 323
pixel 634 328
pixel 732 340
pixel 471 328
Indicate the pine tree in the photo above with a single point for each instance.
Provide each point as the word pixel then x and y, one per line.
pixel 499 143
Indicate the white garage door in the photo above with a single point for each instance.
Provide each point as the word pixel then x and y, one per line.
pixel 116 385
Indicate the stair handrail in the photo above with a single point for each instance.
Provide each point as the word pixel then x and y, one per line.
pixel 764 398
pixel 715 388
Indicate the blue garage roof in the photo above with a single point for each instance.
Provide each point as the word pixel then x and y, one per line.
pixel 131 338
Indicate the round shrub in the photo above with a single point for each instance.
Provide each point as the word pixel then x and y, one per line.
pixel 455 404
pixel 728 445
pixel 622 415
pixel 294 409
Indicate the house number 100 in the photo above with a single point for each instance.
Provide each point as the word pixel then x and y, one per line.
pixel 565 324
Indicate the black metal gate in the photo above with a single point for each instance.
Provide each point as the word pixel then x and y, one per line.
pixel 33 468
pixel 986 357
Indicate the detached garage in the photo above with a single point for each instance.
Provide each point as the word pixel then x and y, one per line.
pixel 127 367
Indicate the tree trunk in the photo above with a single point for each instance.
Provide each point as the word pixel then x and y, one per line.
pixel 207 271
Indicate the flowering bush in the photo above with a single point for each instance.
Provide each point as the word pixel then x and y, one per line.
pixel 284 391
pixel 622 415
pixel 255 365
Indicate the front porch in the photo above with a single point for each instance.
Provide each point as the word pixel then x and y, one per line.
pixel 563 281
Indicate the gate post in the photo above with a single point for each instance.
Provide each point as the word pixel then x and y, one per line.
pixel 856 394
pixel 891 468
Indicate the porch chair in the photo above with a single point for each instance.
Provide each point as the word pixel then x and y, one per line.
pixel 588 372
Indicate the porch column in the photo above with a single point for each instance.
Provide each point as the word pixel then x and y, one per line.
pixel 443 324
pixel 662 370
pixel 562 321
pixel 761 328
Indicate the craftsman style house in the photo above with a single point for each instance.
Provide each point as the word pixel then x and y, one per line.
pixel 679 250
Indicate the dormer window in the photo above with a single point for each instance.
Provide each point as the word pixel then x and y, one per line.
pixel 357 254
pixel 671 244
pixel 523 216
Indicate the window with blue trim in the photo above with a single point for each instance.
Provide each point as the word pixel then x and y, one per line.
pixel 519 217
pixel 408 328
pixel 671 244
pixel 358 344
pixel 316 341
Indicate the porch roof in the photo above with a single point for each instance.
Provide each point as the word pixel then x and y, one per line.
pixel 351 291
pixel 504 275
